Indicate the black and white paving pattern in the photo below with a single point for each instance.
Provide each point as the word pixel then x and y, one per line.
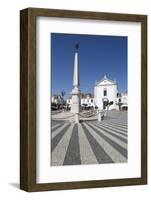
pixel 90 142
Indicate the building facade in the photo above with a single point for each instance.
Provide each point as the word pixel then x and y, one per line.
pixel 106 96
pixel 86 100
pixel 124 100
pixel 57 99
pixel 105 93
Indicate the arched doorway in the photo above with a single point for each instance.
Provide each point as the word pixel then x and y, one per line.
pixel 105 102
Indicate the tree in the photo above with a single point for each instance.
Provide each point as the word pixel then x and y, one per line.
pixel 54 106
pixel 109 104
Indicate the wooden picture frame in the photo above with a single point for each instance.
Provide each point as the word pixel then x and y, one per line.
pixel 28 98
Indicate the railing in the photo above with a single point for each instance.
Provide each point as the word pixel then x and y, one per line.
pixel 86 115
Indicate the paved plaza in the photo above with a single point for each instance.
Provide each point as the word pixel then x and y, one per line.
pixel 90 141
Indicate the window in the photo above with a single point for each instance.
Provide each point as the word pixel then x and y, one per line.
pixel 91 100
pixel 105 92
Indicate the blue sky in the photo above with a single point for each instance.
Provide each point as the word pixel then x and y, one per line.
pixel 98 56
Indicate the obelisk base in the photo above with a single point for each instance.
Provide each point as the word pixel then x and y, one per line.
pixel 75 106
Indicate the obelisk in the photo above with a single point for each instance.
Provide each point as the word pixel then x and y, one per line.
pixel 75 106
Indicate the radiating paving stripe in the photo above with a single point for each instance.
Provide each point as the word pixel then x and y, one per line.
pixel 117 122
pixel 58 130
pixel 111 140
pixel 115 155
pixel 73 152
pixel 86 153
pixel 56 126
pixel 59 152
pixel 115 131
pixel 122 123
pixel 58 137
pixel 114 125
pixel 120 119
pixel 124 129
pixel 101 155
pixel 124 133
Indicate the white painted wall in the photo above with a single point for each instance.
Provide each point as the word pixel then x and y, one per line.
pixel 57 100
pixel 88 101
pixel 9 101
pixel 111 95
pixel 124 99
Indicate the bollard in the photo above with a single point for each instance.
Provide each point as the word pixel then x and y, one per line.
pixel 76 118
pixel 99 116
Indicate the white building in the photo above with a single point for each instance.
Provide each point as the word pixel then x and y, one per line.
pixel 105 91
pixel 69 101
pixel 56 98
pixel 124 100
pixel 86 99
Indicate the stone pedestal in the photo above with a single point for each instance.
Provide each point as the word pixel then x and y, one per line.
pixel 75 106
